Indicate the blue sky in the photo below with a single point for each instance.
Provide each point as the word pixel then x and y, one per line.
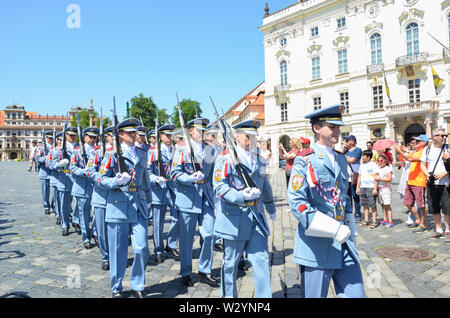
pixel 196 48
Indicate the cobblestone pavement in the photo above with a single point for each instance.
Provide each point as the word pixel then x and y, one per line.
pixel 36 261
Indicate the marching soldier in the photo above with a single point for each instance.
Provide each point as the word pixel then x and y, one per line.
pixel 53 153
pixel 65 181
pixel 140 138
pixel 99 195
pixel 151 138
pixel 44 170
pixel 126 209
pixel 195 201
pixel 82 188
pixel 163 196
pixel 240 219
pixel 324 245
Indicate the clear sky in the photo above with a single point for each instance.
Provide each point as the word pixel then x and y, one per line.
pixel 197 48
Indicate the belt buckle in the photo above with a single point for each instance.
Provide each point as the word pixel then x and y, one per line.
pixel 339 217
pixel 201 182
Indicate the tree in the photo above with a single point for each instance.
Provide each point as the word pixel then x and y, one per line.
pixel 188 106
pixel 84 119
pixel 145 108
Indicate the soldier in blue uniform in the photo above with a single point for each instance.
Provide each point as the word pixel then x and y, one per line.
pixel 140 138
pixel 65 180
pixel 99 195
pixel 53 153
pixel 82 188
pixel 195 201
pixel 151 140
pixel 241 220
pixel 325 248
pixel 126 210
pixel 44 171
pixel 163 196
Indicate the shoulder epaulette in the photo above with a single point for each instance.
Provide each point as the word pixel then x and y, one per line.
pixel 77 147
pixel 137 147
pixel 110 149
pixel 223 153
pixel 306 152
pixel 97 147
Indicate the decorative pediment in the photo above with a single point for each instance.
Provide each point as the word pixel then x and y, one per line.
pixel 314 49
pixel 283 54
pixel 411 13
pixel 373 26
pixel 445 4
pixel 341 40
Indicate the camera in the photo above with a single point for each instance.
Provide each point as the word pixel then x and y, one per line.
pixel 431 179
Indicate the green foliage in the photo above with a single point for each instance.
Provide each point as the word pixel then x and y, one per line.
pixel 84 119
pixel 188 107
pixel 144 107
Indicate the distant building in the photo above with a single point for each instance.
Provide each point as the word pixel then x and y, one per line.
pixel 376 58
pixel 18 128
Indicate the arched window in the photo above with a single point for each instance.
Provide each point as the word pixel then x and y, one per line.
pixel 412 38
pixel 283 72
pixel 375 48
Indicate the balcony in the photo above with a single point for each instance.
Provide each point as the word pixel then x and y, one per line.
pixel 407 60
pixel 411 109
pixel 281 88
pixel 375 68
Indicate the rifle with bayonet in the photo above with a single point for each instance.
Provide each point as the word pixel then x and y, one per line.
pixel 186 136
pixel 65 155
pixel 142 124
pixel 54 132
pixel 102 134
pixel 80 137
pixel 116 142
pixel 44 142
pixel 159 163
pixel 227 135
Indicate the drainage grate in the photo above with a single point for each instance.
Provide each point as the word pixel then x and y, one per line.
pixel 405 253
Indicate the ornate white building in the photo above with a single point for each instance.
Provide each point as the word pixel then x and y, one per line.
pixel 324 52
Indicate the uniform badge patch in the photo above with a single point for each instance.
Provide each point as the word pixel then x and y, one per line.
pixel 217 175
pixel 174 163
pixel 297 182
pixel 102 170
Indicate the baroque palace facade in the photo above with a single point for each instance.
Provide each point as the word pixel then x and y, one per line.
pixel 381 59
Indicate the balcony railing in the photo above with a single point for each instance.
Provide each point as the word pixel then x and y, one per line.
pixel 413 108
pixel 412 59
pixel 281 88
pixel 375 68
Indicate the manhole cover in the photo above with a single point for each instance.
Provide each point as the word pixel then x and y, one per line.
pixel 405 253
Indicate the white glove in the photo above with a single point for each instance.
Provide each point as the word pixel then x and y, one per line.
pixel 122 178
pixel 273 216
pixel 198 176
pixel 161 181
pixel 248 194
pixel 342 234
pixel 64 163
pixel 149 205
pixel 256 193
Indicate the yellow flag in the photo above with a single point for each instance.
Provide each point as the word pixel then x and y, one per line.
pixel 388 92
pixel 437 80
pixel 375 80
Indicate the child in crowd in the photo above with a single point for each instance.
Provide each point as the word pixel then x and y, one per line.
pixel 367 188
pixel 384 179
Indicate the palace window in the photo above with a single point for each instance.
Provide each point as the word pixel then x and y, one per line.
pixel 314 31
pixel 342 61
pixel 317 103
pixel 414 90
pixel 283 73
pixel 284 115
pixel 344 102
pixel 340 22
pixel 412 38
pixel 375 48
pixel 316 67
pixel 377 94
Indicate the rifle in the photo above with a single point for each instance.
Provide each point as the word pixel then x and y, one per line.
pixel 54 132
pixel 231 146
pixel 65 155
pixel 44 142
pixel 189 150
pixel 102 134
pixel 116 142
pixel 80 137
pixel 159 164
pixel 142 124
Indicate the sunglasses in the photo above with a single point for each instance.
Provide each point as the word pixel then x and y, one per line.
pixel 441 135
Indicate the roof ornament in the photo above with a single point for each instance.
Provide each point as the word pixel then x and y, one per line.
pixel 266 9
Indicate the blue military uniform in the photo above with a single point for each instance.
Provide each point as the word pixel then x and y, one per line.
pixel 44 173
pixel 324 245
pixel 126 212
pixel 65 183
pixel 142 130
pixel 163 197
pixel 195 201
pixel 98 201
pixel 82 187
pixel 151 133
pixel 242 223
